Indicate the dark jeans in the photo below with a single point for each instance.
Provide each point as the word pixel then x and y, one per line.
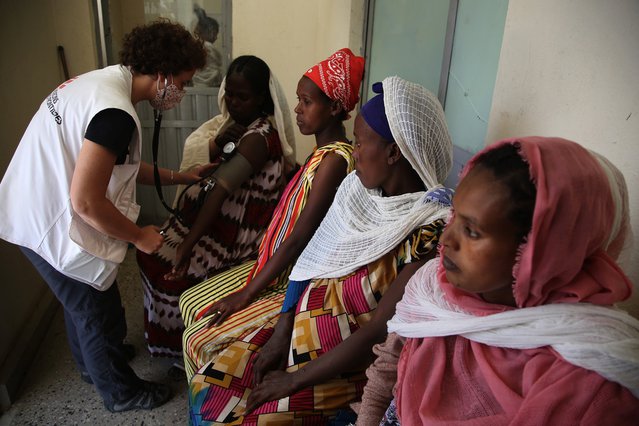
pixel 96 328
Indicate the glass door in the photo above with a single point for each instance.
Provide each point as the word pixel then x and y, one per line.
pixel 209 20
pixel 452 48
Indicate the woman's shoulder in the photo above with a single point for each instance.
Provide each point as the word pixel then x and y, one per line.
pixel 263 128
pixel 262 125
pixel 340 147
pixel 334 152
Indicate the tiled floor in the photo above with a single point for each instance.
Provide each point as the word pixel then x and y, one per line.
pixel 53 393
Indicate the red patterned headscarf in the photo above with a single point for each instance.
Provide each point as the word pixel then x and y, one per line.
pixel 339 77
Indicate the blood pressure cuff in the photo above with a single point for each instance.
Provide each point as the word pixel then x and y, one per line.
pixel 233 172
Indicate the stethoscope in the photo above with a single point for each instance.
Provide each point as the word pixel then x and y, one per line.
pixel 227 152
pixel 157 119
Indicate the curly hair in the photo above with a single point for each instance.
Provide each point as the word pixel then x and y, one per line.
pixel 511 169
pixel 258 74
pixel 162 47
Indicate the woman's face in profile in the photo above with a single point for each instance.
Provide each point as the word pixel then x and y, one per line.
pixel 313 109
pixel 372 153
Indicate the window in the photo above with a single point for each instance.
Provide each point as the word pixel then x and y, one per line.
pixel 209 20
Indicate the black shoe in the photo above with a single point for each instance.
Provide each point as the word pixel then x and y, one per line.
pixel 128 350
pixel 176 372
pixel 84 375
pixel 150 395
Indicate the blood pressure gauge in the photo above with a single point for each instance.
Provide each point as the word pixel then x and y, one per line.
pixel 227 151
pixel 228 148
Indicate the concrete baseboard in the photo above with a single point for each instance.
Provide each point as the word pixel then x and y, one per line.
pixel 22 354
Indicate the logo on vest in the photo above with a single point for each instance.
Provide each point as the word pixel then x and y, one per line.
pixel 51 101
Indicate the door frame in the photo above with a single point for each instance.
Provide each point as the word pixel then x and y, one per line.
pixel 369 14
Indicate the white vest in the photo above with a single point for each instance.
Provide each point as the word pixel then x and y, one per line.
pixel 35 202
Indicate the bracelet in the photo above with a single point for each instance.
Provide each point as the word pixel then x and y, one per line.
pixel 171 177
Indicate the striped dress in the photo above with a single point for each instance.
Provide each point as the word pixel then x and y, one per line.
pixel 329 312
pixel 233 238
pixel 200 343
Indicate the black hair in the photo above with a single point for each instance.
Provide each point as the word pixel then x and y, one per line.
pixel 343 115
pixel 509 167
pixel 258 74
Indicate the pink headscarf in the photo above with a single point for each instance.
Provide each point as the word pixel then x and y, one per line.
pixel 563 261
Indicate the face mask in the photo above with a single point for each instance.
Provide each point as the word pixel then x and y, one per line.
pixel 168 97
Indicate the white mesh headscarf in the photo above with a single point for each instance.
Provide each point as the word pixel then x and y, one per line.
pixel 362 225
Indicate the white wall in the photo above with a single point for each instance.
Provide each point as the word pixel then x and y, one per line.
pixel 571 69
pixel 291 36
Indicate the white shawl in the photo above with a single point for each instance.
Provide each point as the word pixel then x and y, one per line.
pixel 362 225
pixel 597 338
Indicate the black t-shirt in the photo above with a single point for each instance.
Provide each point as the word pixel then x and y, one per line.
pixel 112 128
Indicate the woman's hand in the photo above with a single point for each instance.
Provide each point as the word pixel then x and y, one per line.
pixel 182 262
pixel 203 170
pixel 186 178
pixel 225 307
pixel 193 175
pixel 149 240
pixel 276 385
pixel 272 357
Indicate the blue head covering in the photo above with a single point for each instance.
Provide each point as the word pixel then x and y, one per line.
pixel 374 113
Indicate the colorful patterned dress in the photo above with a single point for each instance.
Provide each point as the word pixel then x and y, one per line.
pixel 329 311
pixel 201 344
pixel 233 239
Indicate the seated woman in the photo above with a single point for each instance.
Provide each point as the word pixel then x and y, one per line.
pixel 224 229
pixel 213 317
pixel 384 223
pixel 514 323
